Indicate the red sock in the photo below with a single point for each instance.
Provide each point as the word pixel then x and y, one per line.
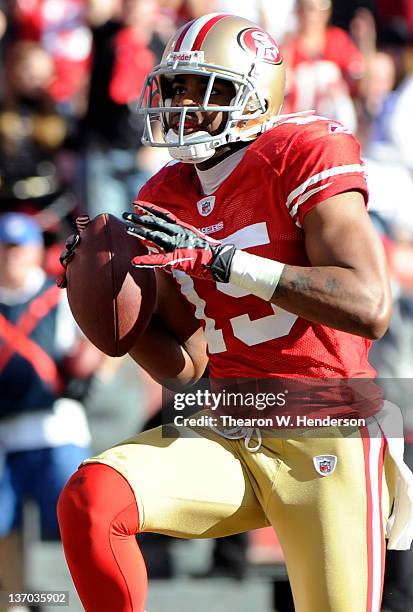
pixel 99 519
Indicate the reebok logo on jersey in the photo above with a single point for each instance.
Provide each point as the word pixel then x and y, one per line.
pixel 325 464
pixel 206 205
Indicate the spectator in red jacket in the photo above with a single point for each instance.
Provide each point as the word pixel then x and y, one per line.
pixel 316 40
pixel 325 65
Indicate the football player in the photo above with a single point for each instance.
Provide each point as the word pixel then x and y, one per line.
pixel 261 222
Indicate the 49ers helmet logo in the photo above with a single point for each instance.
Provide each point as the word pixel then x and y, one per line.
pixel 260 44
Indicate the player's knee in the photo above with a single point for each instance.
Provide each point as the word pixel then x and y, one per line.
pixel 91 500
pixel 77 503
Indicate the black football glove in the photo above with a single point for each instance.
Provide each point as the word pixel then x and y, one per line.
pixel 70 245
pixel 176 245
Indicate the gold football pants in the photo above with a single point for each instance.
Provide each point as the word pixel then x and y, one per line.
pixel 331 527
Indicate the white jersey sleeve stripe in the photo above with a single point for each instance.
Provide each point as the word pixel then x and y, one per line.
pixel 305 197
pixel 320 176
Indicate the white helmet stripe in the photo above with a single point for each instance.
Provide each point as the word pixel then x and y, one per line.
pixel 199 27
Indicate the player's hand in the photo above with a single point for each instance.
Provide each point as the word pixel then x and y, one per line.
pixel 70 245
pixel 176 245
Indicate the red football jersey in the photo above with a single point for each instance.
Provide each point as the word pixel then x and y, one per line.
pixel 260 208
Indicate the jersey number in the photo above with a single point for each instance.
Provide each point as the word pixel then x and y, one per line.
pixel 250 332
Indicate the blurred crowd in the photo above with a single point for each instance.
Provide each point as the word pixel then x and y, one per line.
pixel 71 72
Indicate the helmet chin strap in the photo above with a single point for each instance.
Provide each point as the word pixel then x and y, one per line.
pixel 191 153
pixel 196 153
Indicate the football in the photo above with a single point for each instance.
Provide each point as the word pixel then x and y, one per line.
pixel 110 300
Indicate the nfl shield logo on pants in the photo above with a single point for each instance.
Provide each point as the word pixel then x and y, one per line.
pixel 206 205
pixel 325 464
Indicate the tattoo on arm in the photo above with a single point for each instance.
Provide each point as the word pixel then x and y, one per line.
pixel 302 283
pixel 332 284
pixel 306 282
pixel 298 281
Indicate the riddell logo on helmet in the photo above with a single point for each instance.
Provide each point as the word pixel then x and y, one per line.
pixel 181 57
pixel 185 56
pixel 260 44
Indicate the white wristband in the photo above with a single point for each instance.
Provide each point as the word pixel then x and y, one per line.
pixel 258 275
